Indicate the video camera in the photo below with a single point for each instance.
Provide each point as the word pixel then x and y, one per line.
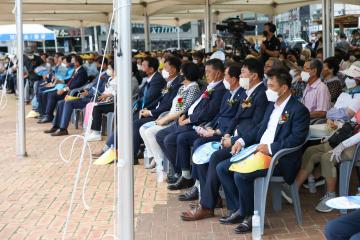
pixel 233 29
pixel 234 26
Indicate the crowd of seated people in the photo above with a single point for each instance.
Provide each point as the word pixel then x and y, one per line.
pixel 183 100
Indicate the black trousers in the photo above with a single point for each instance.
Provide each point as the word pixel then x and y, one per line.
pixel 98 111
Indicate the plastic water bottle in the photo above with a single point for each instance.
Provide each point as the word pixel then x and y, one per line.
pixel 256 229
pixel 146 158
pixel 311 183
pixel 160 174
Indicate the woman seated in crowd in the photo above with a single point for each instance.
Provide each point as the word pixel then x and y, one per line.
pixel 329 155
pixel 105 104
pixel 186 95
pixel 329 74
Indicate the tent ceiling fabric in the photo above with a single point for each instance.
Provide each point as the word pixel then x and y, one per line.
pixel 94 12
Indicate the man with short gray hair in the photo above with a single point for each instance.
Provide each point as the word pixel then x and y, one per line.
pixel 316 96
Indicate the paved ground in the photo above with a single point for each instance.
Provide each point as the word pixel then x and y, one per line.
pixel 35 192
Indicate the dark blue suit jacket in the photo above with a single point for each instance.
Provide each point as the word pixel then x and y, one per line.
pixel 227 112
pixel 79 79
pixel 164 102
pixel 102 82
pixel 289 134
pixel 206 110
pixel 248 118
pixel 154 89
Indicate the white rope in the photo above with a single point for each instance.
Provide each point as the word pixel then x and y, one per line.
pixel 85 146
pixel 77 177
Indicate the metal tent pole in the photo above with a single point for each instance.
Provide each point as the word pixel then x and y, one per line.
pixel 125 194
pixel 207 22
pixel 56 44
pixel 178 32
pixel 43 45
pixel 96 39
pixel 146 29
pixel 328 27
pixel 20 123
pixel 82 37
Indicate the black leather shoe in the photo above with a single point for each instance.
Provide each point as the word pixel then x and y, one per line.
pixel 232 218
pixel 60 132
pixel 245 226
pixel 229 213
pixel 181 183
pixel 39 117
pixel 51 130
pixel 171 179
pixel 45 120
pixel 191 195
pixel 136 160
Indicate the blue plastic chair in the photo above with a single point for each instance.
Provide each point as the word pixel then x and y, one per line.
pixel 345 174
pixel 262 184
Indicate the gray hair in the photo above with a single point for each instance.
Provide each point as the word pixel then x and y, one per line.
pixel 316 63
pixel 276 63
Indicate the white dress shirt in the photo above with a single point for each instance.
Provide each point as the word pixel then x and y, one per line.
pixel 251 90
pixel 233 92
pixel 196 103
pixel 148 80
pixel 269 134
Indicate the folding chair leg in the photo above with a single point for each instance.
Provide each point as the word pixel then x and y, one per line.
pixel 344 179
pixel 296 202
pixel 358 173
pixel 260 200
pixel 276 195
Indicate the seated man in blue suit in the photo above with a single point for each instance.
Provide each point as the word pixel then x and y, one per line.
pixel 78 79
pixel 285 125
pixel 156 95
pixel 202 111
pixel 65 108
pixel 218 126
pixel 249 114
pixel 63 73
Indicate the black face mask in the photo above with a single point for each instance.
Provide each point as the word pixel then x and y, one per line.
pixel 265 33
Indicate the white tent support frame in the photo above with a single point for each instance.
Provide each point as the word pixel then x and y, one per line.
pixel 125 184
pixel 328 28
pixel 125 214
pixel 208 26
pixel 20 123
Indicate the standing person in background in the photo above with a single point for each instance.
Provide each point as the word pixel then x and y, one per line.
pixel 283 45
pixel 219 43
pixel 355 41
pixel 343 44
pixel 271 46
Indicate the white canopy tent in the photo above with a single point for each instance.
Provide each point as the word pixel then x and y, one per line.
pixel 32 32
pixel 86 13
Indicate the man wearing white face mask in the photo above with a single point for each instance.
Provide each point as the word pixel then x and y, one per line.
pixel 162 103
pixel 217 127
pixel 285 125
pixel 316 96
pixel 249 114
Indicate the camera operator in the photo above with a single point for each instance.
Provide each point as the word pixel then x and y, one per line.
pixel 271 46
